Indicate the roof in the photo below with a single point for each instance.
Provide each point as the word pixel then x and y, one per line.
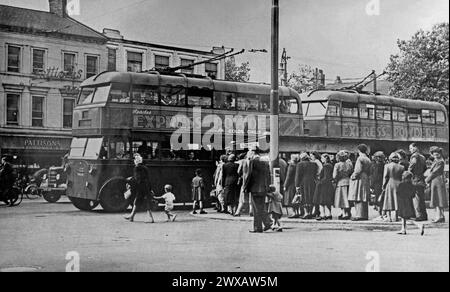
pixel 383 86
pixel 180 80
pixel 356 97
pixel 37 21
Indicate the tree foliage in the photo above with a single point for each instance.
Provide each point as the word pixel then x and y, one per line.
pixel 302 80
pixel 421 69
pixel 237 73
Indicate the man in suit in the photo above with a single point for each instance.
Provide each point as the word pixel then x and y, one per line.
pixel 257 184
pixel 417 167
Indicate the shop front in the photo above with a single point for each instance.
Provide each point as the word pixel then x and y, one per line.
pixel 34 153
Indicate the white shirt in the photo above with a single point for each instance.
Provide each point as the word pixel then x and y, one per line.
pixel 169 198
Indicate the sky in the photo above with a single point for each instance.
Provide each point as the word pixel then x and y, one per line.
pixel 340 37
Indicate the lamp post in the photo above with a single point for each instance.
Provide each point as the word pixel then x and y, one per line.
pixel 274 94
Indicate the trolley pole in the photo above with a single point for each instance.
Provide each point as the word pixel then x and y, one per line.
pixel 274 96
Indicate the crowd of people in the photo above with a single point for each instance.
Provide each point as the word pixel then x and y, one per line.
pixel 312 184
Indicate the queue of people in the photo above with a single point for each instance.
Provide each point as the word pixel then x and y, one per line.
pixel 312 184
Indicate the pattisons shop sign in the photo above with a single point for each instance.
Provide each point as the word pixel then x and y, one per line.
pixel 42 144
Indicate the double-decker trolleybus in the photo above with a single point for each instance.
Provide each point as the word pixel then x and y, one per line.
pixel 336 120
pixel 177 123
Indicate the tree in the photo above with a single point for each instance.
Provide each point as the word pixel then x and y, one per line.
pixel 421 69
pixel 237 73
pixel 302 80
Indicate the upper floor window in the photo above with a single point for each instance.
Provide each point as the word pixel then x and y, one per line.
pixel 186 62
pixel 248 102
pixel 162 62
pixel 173 96
pixel 68 112
pixel 38 111
pixel 145 95
pixel 440 118
pixel 384 113
pixel 367 111
pixel 134 62
pixel 38 60
pixel 91 66
pixel 14 58
pixel 200 97
pixel 211 70
pixel 224 100
pixel 428 116
pixel 119 93
pixel 69 62
pixel 12 109
pixel 112 59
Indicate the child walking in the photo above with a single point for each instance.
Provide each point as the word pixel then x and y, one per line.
pixel 198 191
pixel 275 208
pixel 169 198
pixel 406 193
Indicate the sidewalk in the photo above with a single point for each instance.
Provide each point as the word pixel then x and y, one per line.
pixel 372 224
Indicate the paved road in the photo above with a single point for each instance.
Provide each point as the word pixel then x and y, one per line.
pixel 39 235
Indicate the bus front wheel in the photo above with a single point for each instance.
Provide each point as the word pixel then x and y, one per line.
pixel 112 197
pixel 83 204
pixel 51 197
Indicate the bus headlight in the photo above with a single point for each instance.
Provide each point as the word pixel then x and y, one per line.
pixel 58 177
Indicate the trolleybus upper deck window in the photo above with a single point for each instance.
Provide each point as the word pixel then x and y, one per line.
pixel 120 93
pixel 428 116
pixel 440 118
pixel 384 113
pixel 200 97
pixel 367 111
pixel 265 103
pixel 86 95
pixel 288 105
pixel 147 95
pixel 224 100
pixel 317 109
pixel 349 110
pixel 398 114
pixel 248 102
pixel 333 110
pixel 173 96
pixel 414 116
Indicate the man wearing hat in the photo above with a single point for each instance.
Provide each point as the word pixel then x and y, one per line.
pixel 417 167
pixel 6 177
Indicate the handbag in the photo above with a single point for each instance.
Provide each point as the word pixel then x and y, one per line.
pixel 127 194
pixel 381 197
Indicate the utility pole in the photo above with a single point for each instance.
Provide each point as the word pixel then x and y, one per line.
pixel 374 81
pixel 274 96
pixel 283 67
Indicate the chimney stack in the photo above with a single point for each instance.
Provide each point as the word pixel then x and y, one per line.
pixel 58 7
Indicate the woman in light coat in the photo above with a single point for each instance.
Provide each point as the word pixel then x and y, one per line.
pixel 359 189
pixel 437 185
pixel 393 172
pixel 341 175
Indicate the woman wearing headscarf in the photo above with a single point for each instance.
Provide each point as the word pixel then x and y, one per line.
pixel 305 182
pixel 324 194
pixel 359 189
pixel 289 184
pixel 393 172
pixel 437 184
pixel 341 175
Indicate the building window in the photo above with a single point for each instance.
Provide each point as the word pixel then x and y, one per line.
pixel 211 70
pixel 14 54
pixel 68 112
pixel 186 62
pixel 162 62
pixel 112 60
pixel 91 66
pixel 69 62
pixel 38 61
pixel 134 62
pixel 38 111
pixel 12 109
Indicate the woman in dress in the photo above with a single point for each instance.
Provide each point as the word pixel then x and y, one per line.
pixel 341 175
pixel 437 184
pixel 393 172
pixel 406 193
pixel 324 195
pixel 289 184
pixel 359 189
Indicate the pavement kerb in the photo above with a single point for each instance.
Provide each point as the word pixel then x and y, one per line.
pixel 213 215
